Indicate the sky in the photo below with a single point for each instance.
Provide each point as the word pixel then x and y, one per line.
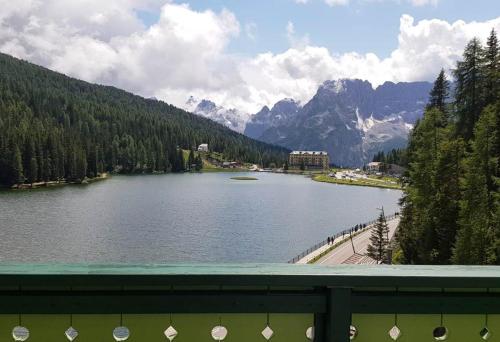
pixel 243 54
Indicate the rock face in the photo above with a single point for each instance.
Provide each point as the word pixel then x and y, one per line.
pixel 347 118
pixel 281 113
pixel 231 118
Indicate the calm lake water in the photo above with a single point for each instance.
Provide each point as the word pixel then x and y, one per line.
pixel 181 218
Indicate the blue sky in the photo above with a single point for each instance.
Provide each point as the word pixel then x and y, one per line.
pixel 361 26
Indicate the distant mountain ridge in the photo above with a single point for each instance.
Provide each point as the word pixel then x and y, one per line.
pixel 280 114
pixel 231 118
pixel 348 118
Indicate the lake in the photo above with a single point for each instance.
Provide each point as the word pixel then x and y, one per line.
pixel 174 218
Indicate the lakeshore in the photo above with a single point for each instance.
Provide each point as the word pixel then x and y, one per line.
pixel 385 182
pixel 62 182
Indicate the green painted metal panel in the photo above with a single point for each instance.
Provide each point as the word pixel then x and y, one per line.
pixel 419 328
pixel 150 328
pixel 147 293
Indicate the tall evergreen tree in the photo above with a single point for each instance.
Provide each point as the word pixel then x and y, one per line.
pixel 418 208
pixel 32 171
pixel 407 236
pixel 191 160
pixel 445 205
pixel 477 234
pixel 378 240
pixel 492 69
pixel 440 92
pixel 469 82
pixel 199 162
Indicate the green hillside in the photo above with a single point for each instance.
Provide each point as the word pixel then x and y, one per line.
pixel 54 127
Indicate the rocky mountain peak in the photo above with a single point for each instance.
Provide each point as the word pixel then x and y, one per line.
pixel 352 120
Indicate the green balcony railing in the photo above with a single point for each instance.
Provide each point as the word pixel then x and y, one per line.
pixel 240 303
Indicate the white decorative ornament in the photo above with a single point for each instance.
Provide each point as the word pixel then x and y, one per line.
pixel 440 333
pixel 485 333
pixel 170 333
pixel 20 333
pixel 267 333
pixel 395 333
pixel 121 334
pixel 219 333
pixel 310 333
pixel 353 332
pixel 71 334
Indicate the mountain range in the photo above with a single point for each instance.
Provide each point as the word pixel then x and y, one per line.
pixel 231 118
pixel 348 118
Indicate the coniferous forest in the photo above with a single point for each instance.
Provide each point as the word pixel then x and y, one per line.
pixel 451 205
pixel 58 128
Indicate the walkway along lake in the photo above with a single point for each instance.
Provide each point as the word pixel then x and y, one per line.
pixel 205 217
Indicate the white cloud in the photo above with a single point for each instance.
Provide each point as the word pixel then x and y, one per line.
pixel 337 2
pixel 185 52
pixel 424 2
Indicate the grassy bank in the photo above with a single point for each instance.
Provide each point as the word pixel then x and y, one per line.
pixel 386 182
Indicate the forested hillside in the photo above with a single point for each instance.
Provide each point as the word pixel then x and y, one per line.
pixel 451 207
pixel 54 127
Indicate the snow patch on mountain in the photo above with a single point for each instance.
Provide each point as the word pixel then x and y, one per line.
pixel 336 86
pixel 231 118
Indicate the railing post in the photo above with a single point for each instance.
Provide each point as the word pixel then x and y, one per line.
pixel 338 318
pixel 319 327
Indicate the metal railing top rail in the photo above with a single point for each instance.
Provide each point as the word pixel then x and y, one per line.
pixel 335 237
pixel 26 277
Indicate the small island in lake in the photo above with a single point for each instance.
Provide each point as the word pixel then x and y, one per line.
pixel 245 178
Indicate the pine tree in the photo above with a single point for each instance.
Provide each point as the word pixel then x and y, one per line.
pixel 439 93
pixel 379 241
pixel 407 235
pixel 423 154
pixel 11 166
pixel 477 230
pixel 191 160
pixel 33 171
pixel 492 69
pixel 445 205
pixel 81 166
pixel 469 82
pixel 17 176
pixel 199 162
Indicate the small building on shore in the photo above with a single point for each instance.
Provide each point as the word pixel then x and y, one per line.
pixel 374 167
pixel 309 159
pixel 203 148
